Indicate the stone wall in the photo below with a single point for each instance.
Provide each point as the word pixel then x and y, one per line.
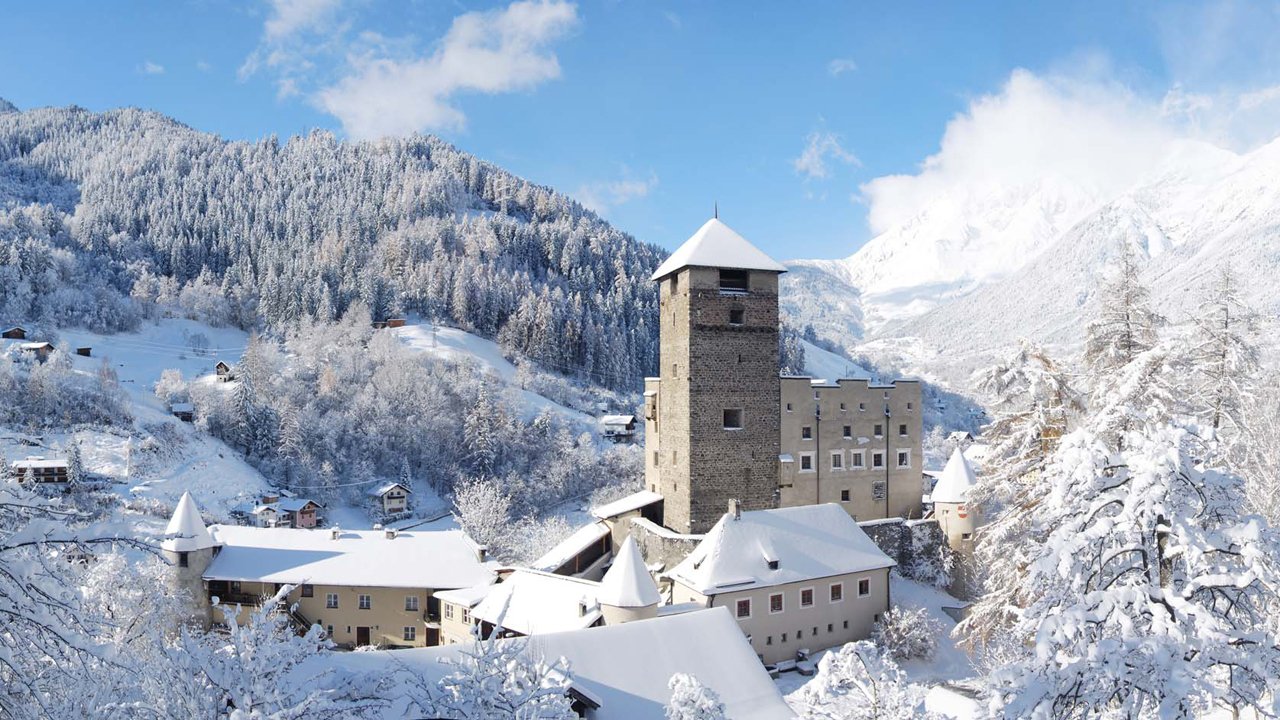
pixel 905 540
pixel 658 544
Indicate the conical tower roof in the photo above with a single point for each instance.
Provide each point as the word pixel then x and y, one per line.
pixel 628 583
pixel 717 245
pixel 956 481
pixel 186 531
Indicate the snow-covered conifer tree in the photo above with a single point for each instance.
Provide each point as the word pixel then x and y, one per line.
pixel 1126 325
pixel 497 679
pixel 691 700
pixel 1223 359
pixel 858 682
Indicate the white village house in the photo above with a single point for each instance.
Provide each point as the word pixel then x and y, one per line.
pixel 801 578
pixel 391 498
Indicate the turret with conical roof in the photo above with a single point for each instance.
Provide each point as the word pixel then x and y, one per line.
pixel 627 591
pixel 955 515
pixel 711 417
pixel 189 548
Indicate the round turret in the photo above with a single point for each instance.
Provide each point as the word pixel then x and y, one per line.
pixel 189 548
pixel 627 592
pixel 956 516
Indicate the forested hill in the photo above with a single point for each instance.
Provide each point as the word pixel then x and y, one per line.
pixel 106 216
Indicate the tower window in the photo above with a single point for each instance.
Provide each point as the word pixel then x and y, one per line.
pixel 737 316
pixel 733 281
pixel 788 407
pixel 842 408
pixel 862 407
pixel 902 430
pixel 182 559
pixel 675 283
pixel 844 496
pixel 733 419
pixel 806 432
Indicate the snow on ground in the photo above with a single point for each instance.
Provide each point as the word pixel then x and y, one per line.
pixel 459 345
pixel 949 665
pixel 827 365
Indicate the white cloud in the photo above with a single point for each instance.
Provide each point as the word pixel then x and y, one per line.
pixel 289 17
pixel 819 146
pixel 488 52
pixel 605 196
pixel 839 66
pixel 293 35
pixel 203 66
pixel 151 68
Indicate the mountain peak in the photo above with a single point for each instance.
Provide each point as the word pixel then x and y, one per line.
pixel 7 107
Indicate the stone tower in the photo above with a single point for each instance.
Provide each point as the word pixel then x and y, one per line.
pixel 189 549
pixel 958 518
pixel 712 418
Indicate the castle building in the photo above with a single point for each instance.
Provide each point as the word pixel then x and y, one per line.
pixel 721 425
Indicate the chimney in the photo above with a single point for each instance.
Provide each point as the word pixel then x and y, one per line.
pixel 377 526
pixel 335 533
pixel 735 509
pixel 391 533
pixel 481 553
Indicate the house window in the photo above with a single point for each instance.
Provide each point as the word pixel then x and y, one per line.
pixel 411 603
pixel 864 587
pixel 466 615
pixel 910 407
pixel 831 627
pixel 799 634
pixel 784 637
pixel 848 432
pixel 837 592
pixel 856 459
pixel 842 408
pixel 768 640
pixel 879 432
pixel 806 598
pixel 366 602
pixel 737 316
pixel 904 458
pixel 788 407
pixel 448 611
pixel 308 590
pixel 743 608
pixel 733 281
pixel 775 603
pixel 806 432
pixel 235 586
pixel 182 559
pixel 331 600
pixel 902 430
pixel 837 460
pixel 862 407
pixel 877 459
pixel 846 624
pixel 733 419
pixel 844 496
pixel 806 462
pixel 410 633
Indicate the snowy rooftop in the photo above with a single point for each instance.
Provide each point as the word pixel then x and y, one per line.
pixel 566 549
pixel 467 597
pixel 956 480
pixel 628 583
pixel 186 531
pixel 38 462
pixel 634 501
pixel 814 541
pixel 386 488
pixel 618 419
pixel 422 559
pixel 716 245
pixel 625 667
pixel 531 602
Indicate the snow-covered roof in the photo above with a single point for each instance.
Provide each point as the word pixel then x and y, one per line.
pixel 634 501
pixel 186 531
pixel 532 602
pixel 814 541
pixel 566 549
pixel 628 583
pixel 467 597
pixel 625 668
pixel 956 481
pixel 358 558
pixel 35 346
pixel 388 487
pixel 38 462
pixel 717 245
pixel 618 419
pixel 294 504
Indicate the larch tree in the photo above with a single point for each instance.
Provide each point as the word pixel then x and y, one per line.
pixel 1223 358
pixel 1125 326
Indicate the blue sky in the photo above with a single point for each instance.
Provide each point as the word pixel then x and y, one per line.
pixel 789 115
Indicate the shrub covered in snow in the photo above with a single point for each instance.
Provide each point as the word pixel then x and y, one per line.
pixel 907 634
pixel 691 700
pixel 859 682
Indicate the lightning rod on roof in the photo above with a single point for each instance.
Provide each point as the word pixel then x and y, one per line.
pixel 717 210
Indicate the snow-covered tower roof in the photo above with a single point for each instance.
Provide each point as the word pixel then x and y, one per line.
pixel 956 480
pixel 186 531
pixel 628 583
pixel 717 245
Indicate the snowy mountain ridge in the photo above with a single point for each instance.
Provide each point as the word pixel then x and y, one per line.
pixel 975 273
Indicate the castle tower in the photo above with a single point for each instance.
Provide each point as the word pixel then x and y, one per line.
pixel 712 417
pixel 951 503
pixel 189 549
pixel 627 591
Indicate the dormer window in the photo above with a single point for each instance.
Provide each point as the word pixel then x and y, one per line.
pixel 734 281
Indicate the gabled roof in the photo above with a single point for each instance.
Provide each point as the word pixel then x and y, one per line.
pixel 810 542
pixel 531 602
pixel 624 668
pixel 181 407
pixel 186 531
pixel 634 501
pixel 717 245
pixel 441 559
pixel 386 488
pixel 628 584
pixel 618 419
pixel 294 504
pixel 956 480
pixel 565 550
